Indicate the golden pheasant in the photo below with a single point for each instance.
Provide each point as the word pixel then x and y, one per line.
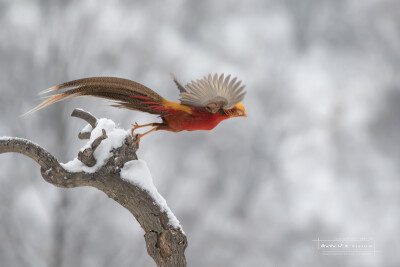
pixel 204 103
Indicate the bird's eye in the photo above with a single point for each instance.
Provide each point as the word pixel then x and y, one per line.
pixel 221 111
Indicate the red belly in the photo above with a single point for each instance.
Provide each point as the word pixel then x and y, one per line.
pixel 198 120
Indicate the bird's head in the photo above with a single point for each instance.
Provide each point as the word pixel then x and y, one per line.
pixel 238 110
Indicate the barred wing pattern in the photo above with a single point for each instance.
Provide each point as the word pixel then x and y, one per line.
pixel 213 93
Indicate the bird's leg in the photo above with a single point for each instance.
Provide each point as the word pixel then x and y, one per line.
pixel 136 126
pixel 156 125
pixel 138 136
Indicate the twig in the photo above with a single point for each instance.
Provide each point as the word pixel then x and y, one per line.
pixel 84 115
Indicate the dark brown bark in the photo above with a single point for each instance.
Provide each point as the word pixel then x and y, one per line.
pixel 165 244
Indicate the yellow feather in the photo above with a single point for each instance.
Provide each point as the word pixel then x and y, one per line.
pixel 176 106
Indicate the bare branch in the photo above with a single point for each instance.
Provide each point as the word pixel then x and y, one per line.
pixel 165 244
pixel 84 115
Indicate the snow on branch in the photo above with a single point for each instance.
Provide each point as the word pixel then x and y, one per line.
pixel 109 163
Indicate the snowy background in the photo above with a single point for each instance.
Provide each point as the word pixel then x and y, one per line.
pixel 318 157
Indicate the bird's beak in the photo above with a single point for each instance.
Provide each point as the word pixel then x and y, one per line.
pixel 236 113
pixel 242 114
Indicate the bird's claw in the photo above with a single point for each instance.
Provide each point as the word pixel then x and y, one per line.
pixel 135 126
pixel 138 136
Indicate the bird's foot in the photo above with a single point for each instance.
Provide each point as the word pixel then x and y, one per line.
pixel 138 136
pixel 135 126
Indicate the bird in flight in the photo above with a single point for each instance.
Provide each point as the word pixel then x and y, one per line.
pixel 203 103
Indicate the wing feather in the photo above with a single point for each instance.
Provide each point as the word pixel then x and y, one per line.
pixel 220 91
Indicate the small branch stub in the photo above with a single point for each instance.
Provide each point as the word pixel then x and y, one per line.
pixel 84 115
pixel 86 156
pixel 84 135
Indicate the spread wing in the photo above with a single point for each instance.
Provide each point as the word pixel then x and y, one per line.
pixel 212 92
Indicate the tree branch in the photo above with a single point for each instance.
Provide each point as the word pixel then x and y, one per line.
pixel 165 242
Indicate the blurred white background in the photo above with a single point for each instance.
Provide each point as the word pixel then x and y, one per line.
pixel 318 157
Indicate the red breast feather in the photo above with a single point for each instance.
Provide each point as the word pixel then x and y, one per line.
pixel 200 119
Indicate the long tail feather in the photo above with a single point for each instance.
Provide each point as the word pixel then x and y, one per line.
pixel 126 94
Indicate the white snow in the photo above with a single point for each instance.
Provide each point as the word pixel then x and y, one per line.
pixel 102 153
pixel 5 138
pixel 137 173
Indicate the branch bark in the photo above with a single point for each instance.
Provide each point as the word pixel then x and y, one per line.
pixel 165 244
